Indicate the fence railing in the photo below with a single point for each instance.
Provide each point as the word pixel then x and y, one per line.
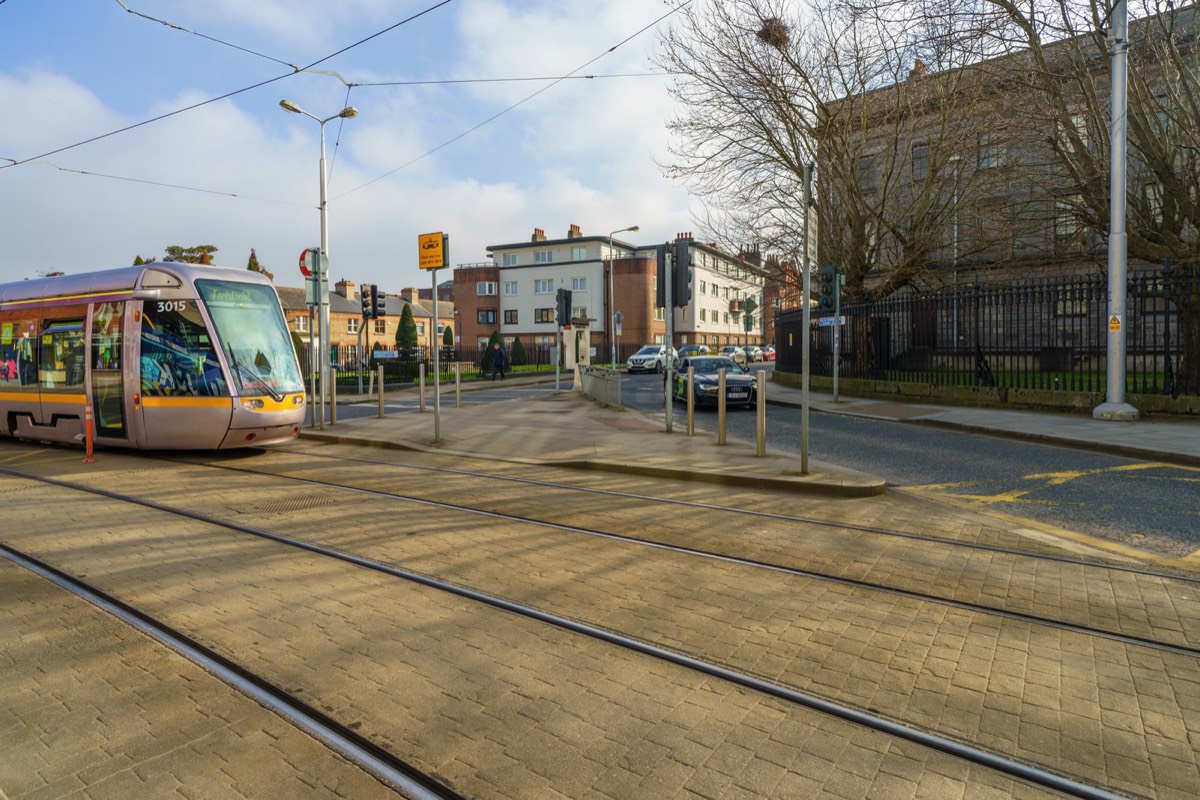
pixel 473 362
pixel 1048 335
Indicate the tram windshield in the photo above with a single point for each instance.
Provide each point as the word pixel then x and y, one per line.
pixel 254 337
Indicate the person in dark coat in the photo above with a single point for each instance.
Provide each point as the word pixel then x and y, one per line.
pixel 499 360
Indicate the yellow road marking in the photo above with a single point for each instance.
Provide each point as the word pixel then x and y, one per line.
pixel 982 502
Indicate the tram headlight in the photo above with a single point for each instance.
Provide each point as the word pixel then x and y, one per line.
pixel 253 404
pixel 298 400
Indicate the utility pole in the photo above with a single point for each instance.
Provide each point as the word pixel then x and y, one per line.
pixel 1115 407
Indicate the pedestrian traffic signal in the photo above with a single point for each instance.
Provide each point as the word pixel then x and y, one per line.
pixel 379 306
pixel 827 287
pixel 564 306
pixel 367 295
pixel 681 271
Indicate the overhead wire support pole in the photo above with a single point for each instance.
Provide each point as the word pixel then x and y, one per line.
pixel 805 321
pixel 669 316
pixel 1115 407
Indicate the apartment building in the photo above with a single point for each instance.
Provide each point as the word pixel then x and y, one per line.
pixel 515 294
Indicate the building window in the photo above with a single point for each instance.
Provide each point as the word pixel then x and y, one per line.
pixel 381 326
pixel 509 259
pixel 716 290
pixel 484 288
pixel 920 162
pixel 991 151
pixel 579 312
pixel 510 316
pixel 543 286
pixel 578 284
pixel 510 288
pixel 703 287
pixel 1068 230
pixel 660 314
pixel 578 253
pixel 351 325
pixel 543 256
pixel 420 329
pixel 704 315
pixel 867 179
pixel 486 316
pixel 543 315
pixel 726 317
pixel 302 324
pixel 482 342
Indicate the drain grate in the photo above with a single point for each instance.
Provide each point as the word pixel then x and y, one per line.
pixel 294 504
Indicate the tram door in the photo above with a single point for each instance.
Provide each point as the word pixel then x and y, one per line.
pixel 108 389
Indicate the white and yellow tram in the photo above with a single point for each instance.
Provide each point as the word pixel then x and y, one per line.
pixel 169 356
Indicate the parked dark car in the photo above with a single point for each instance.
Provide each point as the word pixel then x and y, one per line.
pixel 739 381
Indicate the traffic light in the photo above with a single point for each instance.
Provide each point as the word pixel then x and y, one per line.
pixel 827 287
pixel 564 306
pixel 681 272
pixel 378 306
pixel 660 277
pixel 367 295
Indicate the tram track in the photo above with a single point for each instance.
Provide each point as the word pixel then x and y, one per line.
pixel 747 512
pixel 380 761
pixel 1017 768
pixel 1180 646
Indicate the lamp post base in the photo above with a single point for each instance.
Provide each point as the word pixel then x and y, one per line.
pixel 1115 412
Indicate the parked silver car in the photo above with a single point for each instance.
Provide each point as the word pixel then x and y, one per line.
pixel 651 358
pixel 754 353
pixel 734 352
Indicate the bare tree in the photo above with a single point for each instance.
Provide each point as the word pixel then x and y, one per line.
pixel 1063 87
pixel 763 93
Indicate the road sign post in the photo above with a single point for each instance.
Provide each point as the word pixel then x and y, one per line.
pixel 433 253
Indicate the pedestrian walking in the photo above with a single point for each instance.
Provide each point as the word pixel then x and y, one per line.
pixel 499 360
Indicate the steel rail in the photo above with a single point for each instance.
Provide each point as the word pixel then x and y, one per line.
pixel 357 748
pixel 1030 773
pixel 1149 573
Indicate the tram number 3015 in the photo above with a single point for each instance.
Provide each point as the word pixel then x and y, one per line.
pixel 172 305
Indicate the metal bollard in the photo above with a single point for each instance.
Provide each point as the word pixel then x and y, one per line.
pixel 691 401
pixel 333 395
pixel 381 391
pixel 761 400
pixel 421 385
pixel 721 406
pixel 457 385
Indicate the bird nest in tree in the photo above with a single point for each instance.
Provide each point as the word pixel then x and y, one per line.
pixel 774 32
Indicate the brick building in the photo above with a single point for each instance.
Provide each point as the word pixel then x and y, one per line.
pixel 515 294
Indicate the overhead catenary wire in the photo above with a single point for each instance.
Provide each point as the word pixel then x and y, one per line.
pixel 227 95
pixel 497 115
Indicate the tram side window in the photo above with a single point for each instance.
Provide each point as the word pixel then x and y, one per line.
pixel 62 367
pixel 177 353
pixel 18 362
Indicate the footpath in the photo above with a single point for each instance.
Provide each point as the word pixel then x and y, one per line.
pixel 568 429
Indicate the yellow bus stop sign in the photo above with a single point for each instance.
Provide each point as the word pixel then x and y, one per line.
pixel 432 252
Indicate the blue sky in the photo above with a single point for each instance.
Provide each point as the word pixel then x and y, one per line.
pixel 582 151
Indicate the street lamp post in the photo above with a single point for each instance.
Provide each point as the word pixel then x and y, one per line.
pixel 323 336
pixel 612 298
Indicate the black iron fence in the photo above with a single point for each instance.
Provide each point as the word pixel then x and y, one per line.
pixel 1049 335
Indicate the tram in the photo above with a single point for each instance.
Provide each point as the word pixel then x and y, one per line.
pixel 167 355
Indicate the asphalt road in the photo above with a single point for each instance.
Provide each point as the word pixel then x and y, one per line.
pixel 1143 504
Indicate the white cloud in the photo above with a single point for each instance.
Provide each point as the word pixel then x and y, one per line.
pixel 582 152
